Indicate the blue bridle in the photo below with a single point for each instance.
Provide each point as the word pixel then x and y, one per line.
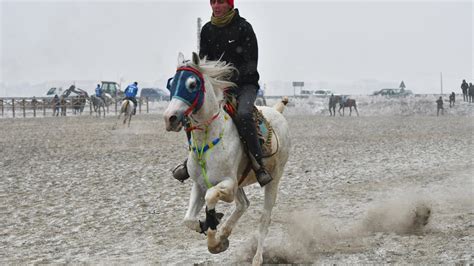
pixel 187 85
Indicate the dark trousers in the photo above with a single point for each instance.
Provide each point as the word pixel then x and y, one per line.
pixel 246 96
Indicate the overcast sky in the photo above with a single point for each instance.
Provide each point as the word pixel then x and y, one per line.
pixel 324 42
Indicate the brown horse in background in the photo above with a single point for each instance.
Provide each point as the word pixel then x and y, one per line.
pixel 333 100
pixel 347 103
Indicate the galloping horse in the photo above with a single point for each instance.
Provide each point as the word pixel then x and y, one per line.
pixel 217 160
pixel 347 103
pixel 127 110
pixel 97 103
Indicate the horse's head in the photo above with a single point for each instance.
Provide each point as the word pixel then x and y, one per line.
pixel 195 85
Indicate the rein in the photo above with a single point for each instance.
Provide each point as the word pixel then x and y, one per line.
pixel 206 123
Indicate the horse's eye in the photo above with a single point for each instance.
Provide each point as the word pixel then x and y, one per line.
pixel 169 84
pixel 191 83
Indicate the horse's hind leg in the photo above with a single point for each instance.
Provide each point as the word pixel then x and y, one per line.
pixel 271 191
pixel 355 107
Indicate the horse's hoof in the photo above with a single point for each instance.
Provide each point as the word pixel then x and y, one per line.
pixel 222 246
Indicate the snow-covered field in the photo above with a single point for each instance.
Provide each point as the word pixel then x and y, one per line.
pixel 75 190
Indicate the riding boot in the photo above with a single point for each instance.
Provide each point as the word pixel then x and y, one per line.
pixel 180 172
pixel 248 133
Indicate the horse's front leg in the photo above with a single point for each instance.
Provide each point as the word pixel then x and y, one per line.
pixel 225 191
pixel 241 205
pixel 196 201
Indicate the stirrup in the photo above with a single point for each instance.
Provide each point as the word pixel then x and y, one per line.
pixel 180 172
pixel 263 176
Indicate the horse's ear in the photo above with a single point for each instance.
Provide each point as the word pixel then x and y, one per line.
pixel 180 58
pixel 196 59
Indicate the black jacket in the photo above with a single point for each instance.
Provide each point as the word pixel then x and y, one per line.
pixel 237 44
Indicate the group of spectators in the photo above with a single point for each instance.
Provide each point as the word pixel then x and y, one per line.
pixel 467 93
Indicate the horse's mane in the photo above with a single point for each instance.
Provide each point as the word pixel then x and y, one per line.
pixel 218 72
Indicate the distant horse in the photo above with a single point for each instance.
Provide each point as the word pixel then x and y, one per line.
pixel 63 104
pixel 347 103
pixel 97 103
pixel 197 93
pixel 126 109
pixel 78 104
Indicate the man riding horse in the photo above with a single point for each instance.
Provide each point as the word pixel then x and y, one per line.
pixel 130 94
pixel 100 93
pixel 229 37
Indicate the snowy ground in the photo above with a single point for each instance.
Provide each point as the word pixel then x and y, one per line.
pixel 73 189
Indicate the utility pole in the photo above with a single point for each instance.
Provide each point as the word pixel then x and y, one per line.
pixel 198 33
pixel 441 80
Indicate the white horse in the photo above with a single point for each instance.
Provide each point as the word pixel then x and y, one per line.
pixel 127 110
pixel 218 159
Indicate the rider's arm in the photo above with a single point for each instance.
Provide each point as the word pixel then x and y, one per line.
pixel 203 47
pixel 249 53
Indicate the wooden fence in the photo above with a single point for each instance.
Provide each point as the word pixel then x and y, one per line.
pixel 44 106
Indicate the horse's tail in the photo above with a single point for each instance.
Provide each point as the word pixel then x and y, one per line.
pixel 280 106
pixel 124 106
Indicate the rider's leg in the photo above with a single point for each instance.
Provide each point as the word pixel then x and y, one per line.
pixel 248 131
pixel 135 103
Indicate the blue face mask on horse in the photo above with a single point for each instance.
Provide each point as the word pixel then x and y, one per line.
pixel 187 85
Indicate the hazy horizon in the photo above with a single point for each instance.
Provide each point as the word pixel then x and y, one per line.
pixel 349 46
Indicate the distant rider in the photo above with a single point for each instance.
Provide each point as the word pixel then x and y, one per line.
pixel 130 94
pixel 100 93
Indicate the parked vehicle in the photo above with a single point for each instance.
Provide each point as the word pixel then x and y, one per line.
pixel 316 93
pixel 112 88
pixel 322 93
pixel 154 94
pixel 393 92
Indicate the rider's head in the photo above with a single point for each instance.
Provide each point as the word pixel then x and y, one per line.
pixel 221 7
pixel 463 80
pixel 98 85
pixel 135 83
